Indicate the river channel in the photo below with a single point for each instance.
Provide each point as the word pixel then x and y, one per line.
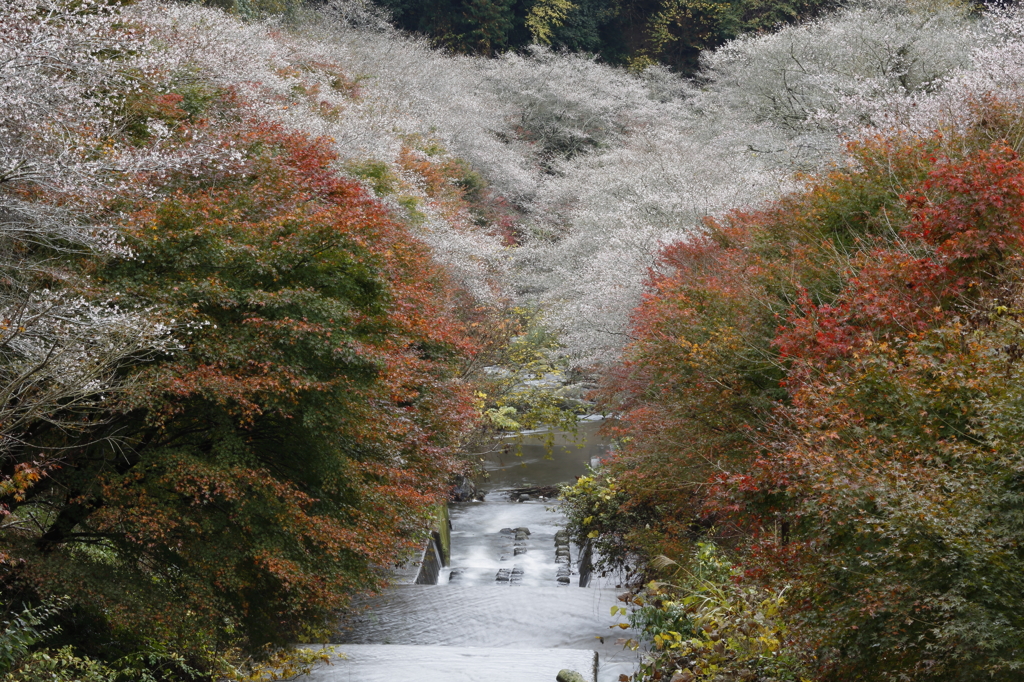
pixel 473 607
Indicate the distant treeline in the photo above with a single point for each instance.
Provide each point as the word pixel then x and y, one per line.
pixel 634 32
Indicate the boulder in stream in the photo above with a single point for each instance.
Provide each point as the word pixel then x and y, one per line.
pixel 537 492
pixel 464 490
pixel 566 675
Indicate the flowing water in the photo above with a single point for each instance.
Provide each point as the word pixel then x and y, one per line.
pixel 473 607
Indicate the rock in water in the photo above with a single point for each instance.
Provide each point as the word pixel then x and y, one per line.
pixel 566 675
pixel 463 491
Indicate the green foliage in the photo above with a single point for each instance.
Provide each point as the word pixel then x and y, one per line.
pixel 472 183
pixel 379 174
pixel 291 443
pixel 545 16
pixel 412 213
pixel 21 631
pixel 255 9
pixel 25 656
pixel 502 418
pixel 529 388
pixel 287 664
pixel 676 31
pixel 599 511
pixel 824 386
pixel 702 625
pixel 466 26
pixel 63 665
pixel 159 665
pixel 524 386
pixel 634 32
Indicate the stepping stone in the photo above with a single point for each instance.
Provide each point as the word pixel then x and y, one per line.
pixel 512 576
pixel 516 576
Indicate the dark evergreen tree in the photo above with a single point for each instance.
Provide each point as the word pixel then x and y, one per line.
pixel 633 32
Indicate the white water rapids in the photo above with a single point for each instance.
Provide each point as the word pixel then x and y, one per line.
pixel 471 626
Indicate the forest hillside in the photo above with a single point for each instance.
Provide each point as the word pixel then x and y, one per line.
pixel 257 260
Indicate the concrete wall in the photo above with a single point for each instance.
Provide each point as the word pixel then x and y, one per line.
pixel 430 564
pixel 438 551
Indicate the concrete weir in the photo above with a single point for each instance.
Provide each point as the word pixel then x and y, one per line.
pixel 497 595
pixel 431 564
pixel 388 663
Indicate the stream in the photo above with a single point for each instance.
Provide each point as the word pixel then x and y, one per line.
pixel 498 611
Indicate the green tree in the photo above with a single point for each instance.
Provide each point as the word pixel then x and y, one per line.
pixel 466 26
pixel 637 32
pixel 827 387
pixel 291 447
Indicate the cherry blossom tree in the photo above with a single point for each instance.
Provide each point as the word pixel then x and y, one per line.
pixel 64 72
